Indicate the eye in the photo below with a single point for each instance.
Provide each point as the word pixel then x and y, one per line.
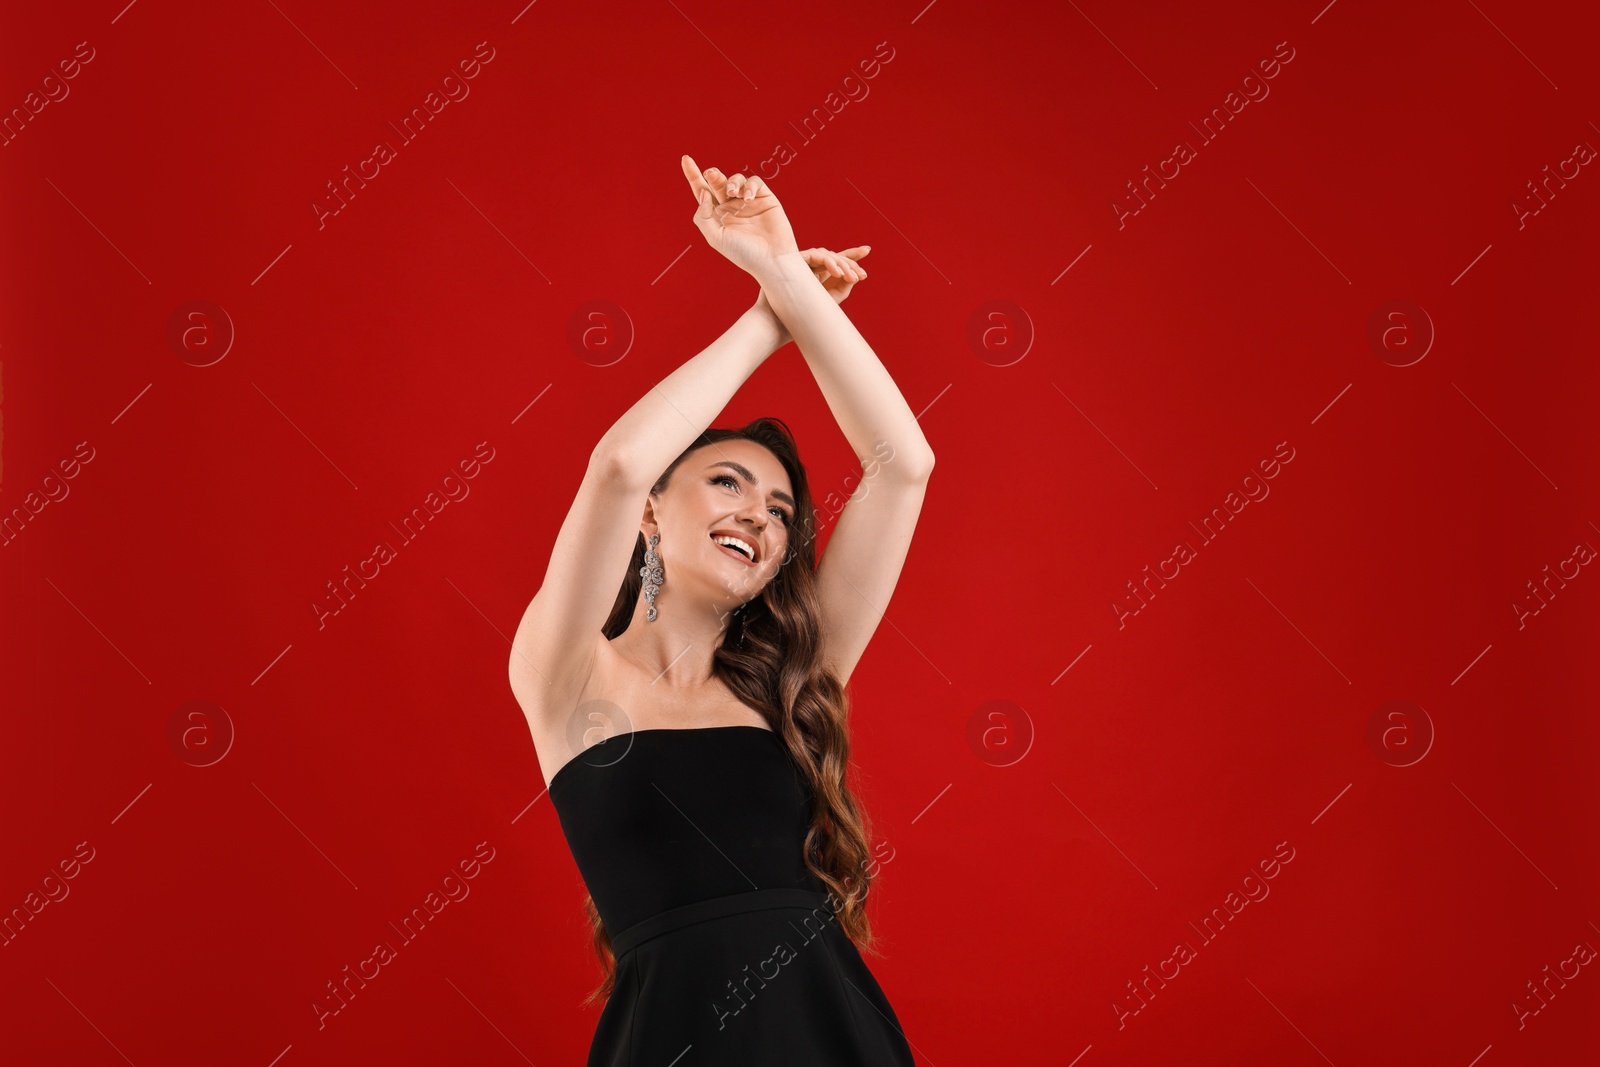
pixel 718 479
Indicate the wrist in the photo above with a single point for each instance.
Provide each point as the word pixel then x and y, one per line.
pixel 783 268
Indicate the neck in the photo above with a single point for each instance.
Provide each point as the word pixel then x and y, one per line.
pixel 676 650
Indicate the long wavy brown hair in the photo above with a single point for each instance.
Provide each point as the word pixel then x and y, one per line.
pixel 778 670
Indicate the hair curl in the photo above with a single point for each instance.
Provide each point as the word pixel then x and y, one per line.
pixel 779 672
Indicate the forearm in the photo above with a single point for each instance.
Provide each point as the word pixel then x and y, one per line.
pixel 675 411
pixel 862 396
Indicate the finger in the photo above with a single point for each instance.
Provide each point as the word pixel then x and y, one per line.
pixel 705 194
pixel 736 187
pixel 697 180
pixel 757 187
pixel 717 184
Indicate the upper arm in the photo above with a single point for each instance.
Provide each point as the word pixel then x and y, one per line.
pixel 862 563
pixel 553 652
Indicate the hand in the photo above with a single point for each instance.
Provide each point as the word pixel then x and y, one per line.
pixel 740 217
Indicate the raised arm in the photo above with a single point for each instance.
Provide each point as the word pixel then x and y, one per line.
pixel 861 567
pixel 554 648
pixel 741 218
pixel 862 396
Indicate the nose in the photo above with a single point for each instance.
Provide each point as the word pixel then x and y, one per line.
pixel 755 515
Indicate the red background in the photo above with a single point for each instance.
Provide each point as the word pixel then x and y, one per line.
pixel 1230 314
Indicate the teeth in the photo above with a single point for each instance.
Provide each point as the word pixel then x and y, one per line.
pixel 737 545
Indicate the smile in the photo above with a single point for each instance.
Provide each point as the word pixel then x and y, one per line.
pixel 736 546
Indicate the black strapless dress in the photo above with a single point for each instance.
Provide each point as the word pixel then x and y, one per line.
pixel 728 952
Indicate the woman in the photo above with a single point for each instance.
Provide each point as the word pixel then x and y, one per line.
pixel 692 726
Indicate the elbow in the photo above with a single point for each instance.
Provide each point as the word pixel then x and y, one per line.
pixel 614 466
pixel 918 466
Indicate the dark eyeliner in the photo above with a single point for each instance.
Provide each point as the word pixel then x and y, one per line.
pixel 719 478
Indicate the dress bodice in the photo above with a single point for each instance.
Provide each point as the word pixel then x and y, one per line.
pixel 660 818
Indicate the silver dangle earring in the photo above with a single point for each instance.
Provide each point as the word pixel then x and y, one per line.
pixel 651 573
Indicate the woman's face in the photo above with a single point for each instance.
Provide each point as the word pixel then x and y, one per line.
pixel 728 489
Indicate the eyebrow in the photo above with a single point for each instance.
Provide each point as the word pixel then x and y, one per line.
pixel 746 474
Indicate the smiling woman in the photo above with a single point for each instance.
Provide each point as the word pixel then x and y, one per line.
pixel 740 508
pixel 691 724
